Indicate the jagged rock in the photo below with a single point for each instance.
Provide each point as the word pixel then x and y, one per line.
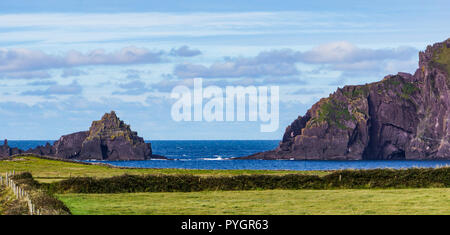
pixel 69 146
pixel 403 116
pixel 46 150
pixel 107 139
pixel 6 151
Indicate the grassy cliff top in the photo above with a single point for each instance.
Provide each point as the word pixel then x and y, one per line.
pixel 442 56
pixel 110 127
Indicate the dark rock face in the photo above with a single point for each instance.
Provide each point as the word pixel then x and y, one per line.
pixel 46 150
pixel 107 139
pixel 6 151
pixel 403 116
pixel 69 146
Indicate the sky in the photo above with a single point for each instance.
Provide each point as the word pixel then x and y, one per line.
pixel 64 64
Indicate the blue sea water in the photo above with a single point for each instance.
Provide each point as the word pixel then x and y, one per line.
pixel 215 154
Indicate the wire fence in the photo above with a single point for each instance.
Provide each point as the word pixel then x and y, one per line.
pixel 19 192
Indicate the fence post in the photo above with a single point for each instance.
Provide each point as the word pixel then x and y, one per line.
pixel 30 208
pixel 19 192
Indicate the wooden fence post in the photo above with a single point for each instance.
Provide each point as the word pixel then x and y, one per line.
pixel 30 208
pixel 19 192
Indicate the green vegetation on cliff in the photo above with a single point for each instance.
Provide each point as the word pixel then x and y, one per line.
pixel 110 126
pixel 357 91
pixel 443 57
pixel 334 113
pixel 408 89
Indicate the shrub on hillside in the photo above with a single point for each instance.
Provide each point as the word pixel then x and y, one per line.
pixel 351 179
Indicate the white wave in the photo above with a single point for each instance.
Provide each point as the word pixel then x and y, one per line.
pixel 218 158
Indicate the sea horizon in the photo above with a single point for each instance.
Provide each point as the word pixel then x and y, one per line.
pixel 217 155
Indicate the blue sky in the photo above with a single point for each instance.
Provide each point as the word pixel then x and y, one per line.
pixel 65 63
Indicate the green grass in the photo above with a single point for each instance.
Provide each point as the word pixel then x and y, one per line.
pixel 443 57
pixel 408 89
pixel 390 201
pixel 46 171
pixel 9 204
pixel 358 91
pixel 332 112
pixel 341 201
pixel 392 81
pixel 5 198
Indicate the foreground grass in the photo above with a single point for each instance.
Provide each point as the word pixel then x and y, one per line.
pixel 9 205
pixel 390 201
pixel 5 197
pixel 46 171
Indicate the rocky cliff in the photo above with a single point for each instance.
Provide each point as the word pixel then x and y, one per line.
pixel 403 116
pixel 6 151
pixel 107 139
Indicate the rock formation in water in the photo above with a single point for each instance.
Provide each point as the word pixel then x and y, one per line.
pixel 6 151
pixel 403 116
pixel 107 139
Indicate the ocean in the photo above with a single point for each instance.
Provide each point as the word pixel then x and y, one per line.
pixel 215 154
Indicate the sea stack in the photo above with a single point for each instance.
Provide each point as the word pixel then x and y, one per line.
pixel 403 116
pixel 7 151
pixel 107 139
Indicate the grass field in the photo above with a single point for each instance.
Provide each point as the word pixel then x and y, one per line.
pixel 45 170
pixel 9 204
pixel 5 197
pixel 318 202
pixel 341 201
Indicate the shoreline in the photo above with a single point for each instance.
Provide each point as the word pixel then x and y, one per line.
pixel 113 166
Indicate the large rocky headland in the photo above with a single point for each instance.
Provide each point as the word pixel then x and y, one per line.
pixel 107 139
pixel 404 116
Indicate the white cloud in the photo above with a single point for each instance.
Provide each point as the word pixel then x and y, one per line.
pixel 346 52
pixel 340 56
pixel 73 73
pixel 135 87
pixel 56 89
pixel 27 59
pixel 185 51
pixel 77 27
pixel 266 63
pixel 42 83
pixel 25 75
